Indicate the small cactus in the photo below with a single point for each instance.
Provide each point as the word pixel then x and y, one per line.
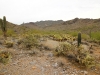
pixel 79 39
pixel 3 25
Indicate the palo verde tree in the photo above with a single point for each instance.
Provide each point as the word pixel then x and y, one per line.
pixel 3 24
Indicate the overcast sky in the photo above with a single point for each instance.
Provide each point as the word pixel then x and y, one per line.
pixel 19 11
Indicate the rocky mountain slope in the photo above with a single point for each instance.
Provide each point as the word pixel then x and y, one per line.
pixel 74 24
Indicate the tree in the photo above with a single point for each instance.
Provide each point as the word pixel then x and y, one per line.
pixel 3 24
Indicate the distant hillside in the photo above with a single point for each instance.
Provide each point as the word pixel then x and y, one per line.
pixel 48 23
pixel 77 24
pixel 31 25
pixel 42 24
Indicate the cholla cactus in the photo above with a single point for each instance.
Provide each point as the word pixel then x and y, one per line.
pixel 3 26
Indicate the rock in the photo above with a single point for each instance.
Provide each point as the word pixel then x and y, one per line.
pixel 32 63
pixel 55 73
pixel 74 42
pixel 85 73
pixel 34 67
pixel 67 74
pixel 42 68
pixel 72 74
pixel 95 69
pixel 47 65
pixel 3 71
pixel 82 71
pixel 55 65
pixel 85 47
pixel 41 39
pixel 15 63
pixel 50 55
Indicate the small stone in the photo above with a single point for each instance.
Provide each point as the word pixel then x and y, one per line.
pixel 55 65
pixel 64 69
pixel 14 63
pixel 95 69
pixel 32 63
pixel 42 68
pixel 34 67
pixel 67 74
pixel 50 55
pixel 55 73
pixel 97 72
pixel 47 65
pixel 82 71
pixel 72 74
pixel 85 72
pixel 52 60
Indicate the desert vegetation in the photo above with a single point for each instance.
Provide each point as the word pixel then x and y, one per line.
pixel 78 47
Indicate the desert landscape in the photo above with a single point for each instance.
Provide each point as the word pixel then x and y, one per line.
pixel 50 47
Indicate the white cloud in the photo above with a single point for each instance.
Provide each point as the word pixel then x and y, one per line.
pixel 18 11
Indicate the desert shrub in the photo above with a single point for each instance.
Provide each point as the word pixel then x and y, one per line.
pixel 62 49
pixel 10 32
pixel 74 33
pixel 85 58
pixel 8 44
pixel 28 42
pixel 95 35
pixel 67 37
pixel 20 41
pixel 85 36
pixel 57 37
pixel 5 57
pixel 37 36
pixel 79 54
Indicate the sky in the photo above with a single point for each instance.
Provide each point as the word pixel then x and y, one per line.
pixel 19 11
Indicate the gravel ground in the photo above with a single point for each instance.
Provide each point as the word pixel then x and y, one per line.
pixel 36 62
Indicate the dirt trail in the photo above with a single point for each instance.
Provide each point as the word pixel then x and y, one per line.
pixel 50 44
pixel 36 62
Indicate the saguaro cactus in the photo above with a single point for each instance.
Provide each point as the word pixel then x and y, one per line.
pixel 90 33
pixel 79 39
pixel 3 26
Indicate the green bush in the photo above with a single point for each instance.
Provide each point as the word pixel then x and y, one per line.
pixel 95 35
pixel 85 36
pixel 57 37
pixel 10 32
pixel 63 49
pixel 74 33
pixel 29 41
